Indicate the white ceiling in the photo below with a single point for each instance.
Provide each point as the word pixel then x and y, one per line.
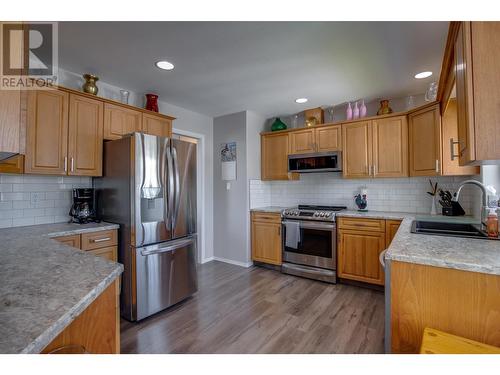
pixel 225 67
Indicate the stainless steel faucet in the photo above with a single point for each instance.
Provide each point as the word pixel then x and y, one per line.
pixel 484 196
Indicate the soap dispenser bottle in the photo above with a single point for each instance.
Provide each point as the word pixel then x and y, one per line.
pixel 492 223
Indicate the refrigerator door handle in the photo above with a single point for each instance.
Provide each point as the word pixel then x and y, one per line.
pixel 177 187
pixel 170 189
pixel 158 249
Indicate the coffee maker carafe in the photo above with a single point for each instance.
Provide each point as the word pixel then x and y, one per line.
pixel 83 210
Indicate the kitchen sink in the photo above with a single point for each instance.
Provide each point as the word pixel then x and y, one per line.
pixel 437 228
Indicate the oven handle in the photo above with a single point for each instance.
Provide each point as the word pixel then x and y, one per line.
pixel 312 225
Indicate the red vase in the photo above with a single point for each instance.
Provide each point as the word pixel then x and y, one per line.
pixel 152 102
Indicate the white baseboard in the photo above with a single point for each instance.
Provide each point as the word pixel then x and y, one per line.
pixel 236 263
pixel 206 260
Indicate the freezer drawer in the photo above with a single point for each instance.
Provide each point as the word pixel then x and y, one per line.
pixel 165 275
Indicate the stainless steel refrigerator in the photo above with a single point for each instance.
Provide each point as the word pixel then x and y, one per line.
pixel 149 188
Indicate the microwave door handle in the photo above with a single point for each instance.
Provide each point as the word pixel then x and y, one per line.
pixel 177 187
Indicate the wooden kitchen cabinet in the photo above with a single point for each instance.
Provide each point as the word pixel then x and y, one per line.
pixel 357 149
pixel 390 147
pixel 266 237
pixel 328 138
pixel 85 136
pixel 450 149
pixel 156 125
pixel 302 141
pixel 470 61
pixel 458 302
pixel 71 240
pixel 425 141
pixel 100 243
pixel 391 227
pixel 96 329
pixel 274 157
pixel 47 132
pixel 14 164
pixel 119 121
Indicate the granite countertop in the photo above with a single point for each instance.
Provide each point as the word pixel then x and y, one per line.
pixel 45 285
pixel 467 254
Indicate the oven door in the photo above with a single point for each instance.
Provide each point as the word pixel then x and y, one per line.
pixel 316 246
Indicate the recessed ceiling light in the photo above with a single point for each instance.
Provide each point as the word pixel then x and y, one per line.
pixel 301 100
pixel 165 65
pixel 423 75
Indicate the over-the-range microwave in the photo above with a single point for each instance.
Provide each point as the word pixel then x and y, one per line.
pixel 315 162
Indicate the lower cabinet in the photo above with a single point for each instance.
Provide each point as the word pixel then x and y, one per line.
pixel 266 237
pixel 101 243
pixel 360 242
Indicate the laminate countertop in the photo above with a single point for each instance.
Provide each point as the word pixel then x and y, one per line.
pixel 45 285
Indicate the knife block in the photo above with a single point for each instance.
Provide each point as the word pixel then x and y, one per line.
pixel 455 210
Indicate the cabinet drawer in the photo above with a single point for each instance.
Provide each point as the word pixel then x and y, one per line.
pixel 73 240
pixel 98 240
pixel 266 216
pixel 109 253
pixel 362 224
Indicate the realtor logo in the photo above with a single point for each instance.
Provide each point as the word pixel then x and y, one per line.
pixel 29 55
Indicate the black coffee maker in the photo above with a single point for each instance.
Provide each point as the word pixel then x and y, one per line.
pixel 83 208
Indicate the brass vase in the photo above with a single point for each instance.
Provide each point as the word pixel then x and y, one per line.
pixel 90 86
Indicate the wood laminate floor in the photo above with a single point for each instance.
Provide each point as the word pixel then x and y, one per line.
pixel 256 310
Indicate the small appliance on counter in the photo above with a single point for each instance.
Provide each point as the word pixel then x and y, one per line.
pixel 83 209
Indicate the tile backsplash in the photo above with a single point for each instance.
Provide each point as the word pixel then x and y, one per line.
pixel 29 199
pixel 385 194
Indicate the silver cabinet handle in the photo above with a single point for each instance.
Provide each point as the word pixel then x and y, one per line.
pixel 437 166
pixel 374 170
pixel 381 258
pixel 452 144
pixel 65 164
pixel 100 239
pixel 72 164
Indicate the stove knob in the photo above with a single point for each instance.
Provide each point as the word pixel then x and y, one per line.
pixel 296 213
pixel 322 214
pixel 316 214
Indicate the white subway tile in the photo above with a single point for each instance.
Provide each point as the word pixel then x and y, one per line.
pixel 23 221
pixel 5 223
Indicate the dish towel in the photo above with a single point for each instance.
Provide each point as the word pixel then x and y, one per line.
pixel 292 234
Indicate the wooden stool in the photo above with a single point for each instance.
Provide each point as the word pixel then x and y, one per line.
pixel 437 342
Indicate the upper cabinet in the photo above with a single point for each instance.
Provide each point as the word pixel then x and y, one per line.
pixel 425 142
pixel 85 134
pixel 64 133
pixel 156 125
pixel 376 148
pixel 274 157
pixel 318 139
pixel 119 121
pixel 471 62
pixel 47 132
pixel 390 147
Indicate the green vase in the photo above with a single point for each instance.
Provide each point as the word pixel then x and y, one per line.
pixel 278 125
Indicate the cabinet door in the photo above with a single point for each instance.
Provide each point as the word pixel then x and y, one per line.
pixel 266 242
pixel 357 149
pixel 449 124
pixel 14 164
pixel 358 256
pixel 390 147
pixel 329 138
pixel 85 136
pixel 302 141
pixel 425 142
pixel 119 121
pixel 391 227
pixel 47 132
pixel 463 81
pixel 156 125
pixel 274 156
pixel 71 240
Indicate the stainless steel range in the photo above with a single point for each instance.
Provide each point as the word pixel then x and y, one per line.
pixel 310 242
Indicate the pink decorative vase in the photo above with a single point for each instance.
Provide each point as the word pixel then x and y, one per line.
pixel 348 112
pixel 355 112
pixel 362 109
